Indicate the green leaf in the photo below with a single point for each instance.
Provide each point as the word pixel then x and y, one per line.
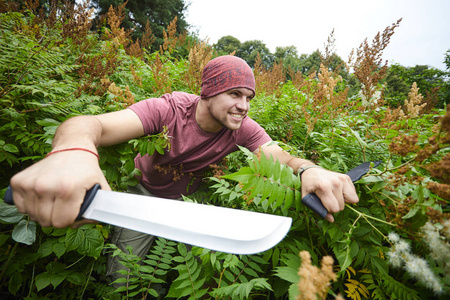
pixel 48 122
pixel 3 239
pixel 42 280
pixel 77 278
pixel 257 187
pixel 380 265
pixel 289 199
pixel 279 194
pixel 46 248
pixel 74 238
pixel 59 249
pixel 159 149
pixel 15 282
pixel 344 258
pixel 93 243
pixel 243 175
pixel 25 232
pixel 9 213
pixel 10 148
pixel 412 212
pixel 56 279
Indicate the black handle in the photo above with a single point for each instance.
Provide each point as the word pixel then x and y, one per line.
pixel 313 202
pixel 90 195
pixel 9 196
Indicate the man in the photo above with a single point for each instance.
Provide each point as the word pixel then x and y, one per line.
pixel 204 129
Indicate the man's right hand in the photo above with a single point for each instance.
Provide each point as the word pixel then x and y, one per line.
pixel 52 190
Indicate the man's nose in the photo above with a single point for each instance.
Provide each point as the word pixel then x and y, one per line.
pixel 242 103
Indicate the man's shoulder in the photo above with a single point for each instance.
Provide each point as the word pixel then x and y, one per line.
pixel 182 97
pixel 170 101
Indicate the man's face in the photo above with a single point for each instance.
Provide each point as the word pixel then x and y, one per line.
pixel 229 108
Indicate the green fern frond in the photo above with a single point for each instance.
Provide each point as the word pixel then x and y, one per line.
pixel 271 181
pixel 190 278
pixel 142 276
pixel 242 290
pixel 398 290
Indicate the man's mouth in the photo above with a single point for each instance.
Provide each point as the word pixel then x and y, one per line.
pixel 237 116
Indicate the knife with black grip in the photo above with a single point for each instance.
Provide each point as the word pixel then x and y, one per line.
pixel 218 228
pixel 315 204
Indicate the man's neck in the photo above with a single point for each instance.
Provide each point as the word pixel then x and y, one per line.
pixel 204 119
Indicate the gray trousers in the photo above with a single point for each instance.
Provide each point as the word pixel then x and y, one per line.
pixel 122 237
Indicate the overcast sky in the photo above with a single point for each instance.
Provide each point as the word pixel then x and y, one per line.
pixel 422 38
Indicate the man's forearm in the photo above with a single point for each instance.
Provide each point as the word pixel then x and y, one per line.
pixel 81 131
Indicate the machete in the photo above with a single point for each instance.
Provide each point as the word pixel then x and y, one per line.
pixel 207 226
pixel 313 202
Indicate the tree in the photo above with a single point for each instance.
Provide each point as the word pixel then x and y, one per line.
pixel 159 14
pixel 289 56
pixel 429 80
pixel 249 51
pixel 227 45
pixel 397 88
pixel 447 60
pixel 41 8
pixel 310 63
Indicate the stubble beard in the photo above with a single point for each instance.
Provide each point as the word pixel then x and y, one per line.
pixel 223 123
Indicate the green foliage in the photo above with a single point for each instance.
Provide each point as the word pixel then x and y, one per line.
pixel 447 59
pixel 144 276
pixel 429 80
pixel 250 50
pixel 189 282
pixel 227 45
pixel 158 14
pixel 275 184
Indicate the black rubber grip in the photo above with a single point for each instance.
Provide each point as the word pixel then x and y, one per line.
pixel 90 195
pixel 9 196
pixel 313 202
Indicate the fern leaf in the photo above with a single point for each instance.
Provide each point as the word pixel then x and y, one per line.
pixel 243 175
pixel 288 274
pixel 242 290
pixel 268 179
pixel 352 291
pixel 356 289
pixel 190 279
pixel 393 287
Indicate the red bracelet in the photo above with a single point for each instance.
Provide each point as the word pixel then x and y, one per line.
pixel 70 149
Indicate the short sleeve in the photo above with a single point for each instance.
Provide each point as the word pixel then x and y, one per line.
pixel 153 113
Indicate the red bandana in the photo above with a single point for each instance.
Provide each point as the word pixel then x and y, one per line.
pixel 225 73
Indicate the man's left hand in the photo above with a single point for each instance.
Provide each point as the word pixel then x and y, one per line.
pixel 333 189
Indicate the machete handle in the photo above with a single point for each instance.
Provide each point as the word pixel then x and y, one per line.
pixel 9 196
pixel 313 202
pixel 90 194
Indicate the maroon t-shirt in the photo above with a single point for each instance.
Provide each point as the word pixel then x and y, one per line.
pixel 179 171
